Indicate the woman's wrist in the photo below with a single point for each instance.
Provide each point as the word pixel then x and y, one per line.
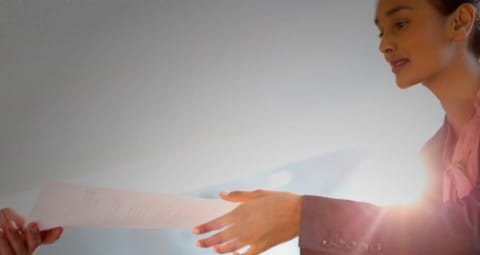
pixel 297 212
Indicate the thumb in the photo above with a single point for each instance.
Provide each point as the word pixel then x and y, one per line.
pixel 52 235
pixel 242 196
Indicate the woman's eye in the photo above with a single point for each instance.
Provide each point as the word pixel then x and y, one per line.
pixel 397 25
pixel 401 24
pixel 380 32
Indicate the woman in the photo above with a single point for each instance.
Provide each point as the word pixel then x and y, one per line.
pixel 16 238
pixel 432 42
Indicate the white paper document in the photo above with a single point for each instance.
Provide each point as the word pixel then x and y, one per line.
pixel 69 205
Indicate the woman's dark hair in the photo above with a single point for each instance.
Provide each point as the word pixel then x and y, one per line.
pixel 447 7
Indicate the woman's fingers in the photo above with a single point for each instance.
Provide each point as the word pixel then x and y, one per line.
pixel 33 238
pixel 214 224
pixel 225 220
pixel 229 247
pixel 209 226
pixel 5 248
pixel 218 238
pixel 15 239
pixel 52 235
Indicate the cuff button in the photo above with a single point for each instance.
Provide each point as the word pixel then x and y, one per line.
pixel 324 243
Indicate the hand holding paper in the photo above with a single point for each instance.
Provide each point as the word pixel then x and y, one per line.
pixel 17 237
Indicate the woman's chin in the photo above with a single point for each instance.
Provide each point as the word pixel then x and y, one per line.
pixel 404 83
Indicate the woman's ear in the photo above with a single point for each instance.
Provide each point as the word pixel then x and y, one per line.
pixel 462 21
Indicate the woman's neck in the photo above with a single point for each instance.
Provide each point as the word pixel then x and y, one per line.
pixel 457 88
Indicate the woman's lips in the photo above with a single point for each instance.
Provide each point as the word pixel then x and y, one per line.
pixel 399 64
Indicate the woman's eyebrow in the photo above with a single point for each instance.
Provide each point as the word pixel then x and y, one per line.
pixel 395 10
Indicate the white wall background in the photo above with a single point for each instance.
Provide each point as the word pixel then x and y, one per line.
pixel 178 95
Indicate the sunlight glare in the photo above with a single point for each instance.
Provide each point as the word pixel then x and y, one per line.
pixel 385 178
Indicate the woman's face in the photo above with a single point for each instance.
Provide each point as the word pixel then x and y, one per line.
pixel 414 40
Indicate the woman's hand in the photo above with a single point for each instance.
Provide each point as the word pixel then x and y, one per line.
pixel 262 220
pixel 18 239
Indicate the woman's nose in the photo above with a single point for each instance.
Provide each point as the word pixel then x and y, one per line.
pixel 386 45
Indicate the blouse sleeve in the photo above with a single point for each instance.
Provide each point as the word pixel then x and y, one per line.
pixel 335 226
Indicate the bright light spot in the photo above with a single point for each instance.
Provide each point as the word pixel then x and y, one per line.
pixel 386 178
pixel 278 180
pixel 244 249
pixel 290 248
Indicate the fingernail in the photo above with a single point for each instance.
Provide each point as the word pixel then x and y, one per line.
pixel 224 193
pixel 14 225
pixel 198 244
pixel 196 231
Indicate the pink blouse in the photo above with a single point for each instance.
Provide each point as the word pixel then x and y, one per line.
pixel 446 220
pixel 461 158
